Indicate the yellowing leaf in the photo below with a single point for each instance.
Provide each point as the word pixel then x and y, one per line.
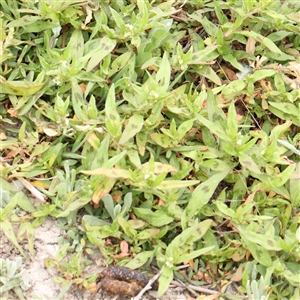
pixel 111 173
pixel 175 184
pixel 102 189
pixel 162 140
pixel 158 168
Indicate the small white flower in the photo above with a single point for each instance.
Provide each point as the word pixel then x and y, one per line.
pixel 64 63
pixel 169 262
pixel 154 94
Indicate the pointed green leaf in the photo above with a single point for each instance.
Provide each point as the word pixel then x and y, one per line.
pixel 184 128
pixel 248 163
pixel 188 256
pixel 8 230
pixel 20 88
pixel 164 73
pixel 213 127
pixel 261 39
pixel 162 140
pixel 134 125
pixel 112 121
pixel 139 260
pixel 232 123
pixel 233 89
pixel 165 280
pixel 105 47
pixel 202 194
pixel 158 218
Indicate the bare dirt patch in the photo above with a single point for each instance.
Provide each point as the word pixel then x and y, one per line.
pixel 41 284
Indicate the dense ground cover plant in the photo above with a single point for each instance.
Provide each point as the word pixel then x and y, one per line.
pixel 169 127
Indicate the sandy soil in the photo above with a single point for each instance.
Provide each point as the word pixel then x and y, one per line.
pixel 41 284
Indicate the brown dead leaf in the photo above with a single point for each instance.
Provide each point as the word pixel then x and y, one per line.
pixel 117 196
pixel 160 202
pixel 82 87
pixel 12 153
pixel 124 250
pixel 250 46
pixel 92 287
pixel 102 189
pixel 248 255
pixel 239 117
pixel 238 275
pixel 192 265
pixel 229 73
pixel 2 136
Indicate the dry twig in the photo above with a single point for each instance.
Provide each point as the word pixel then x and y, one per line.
pixel 35 192
pixel 147 287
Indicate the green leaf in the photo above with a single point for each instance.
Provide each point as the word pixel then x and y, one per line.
pixel 209 26
pixel 214 127
pixel 25 20
pixel 112 121
pixel 106 46
pixel 266 242
pixel 157 167
pixel 279 35
pixel 158 218
pixel 285 108
pixel 8 230
pixel 184 128
pixel 248 163
pixel 130 232
pixel 27 229
pixel 232 122
pixel 134 125
pixel 294 184
pixel 139 260
pixel 62 252
pixel 188 256
pixel 233 89
pixel 77 99
pixel 261 39
pixel 76 45
pixel 19 88
pixel 162 140
pixel 164 280
pixel 209 73
pixel 164 73
pixel 224 209
pixel 119 63
pixel 284 176
pixel 204 55
pixel 202 194
pixel 261 74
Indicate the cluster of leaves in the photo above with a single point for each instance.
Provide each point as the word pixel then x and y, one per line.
pixel 133 113
pixel 11 279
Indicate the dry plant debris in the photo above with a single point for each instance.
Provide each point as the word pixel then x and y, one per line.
pixel 123 281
